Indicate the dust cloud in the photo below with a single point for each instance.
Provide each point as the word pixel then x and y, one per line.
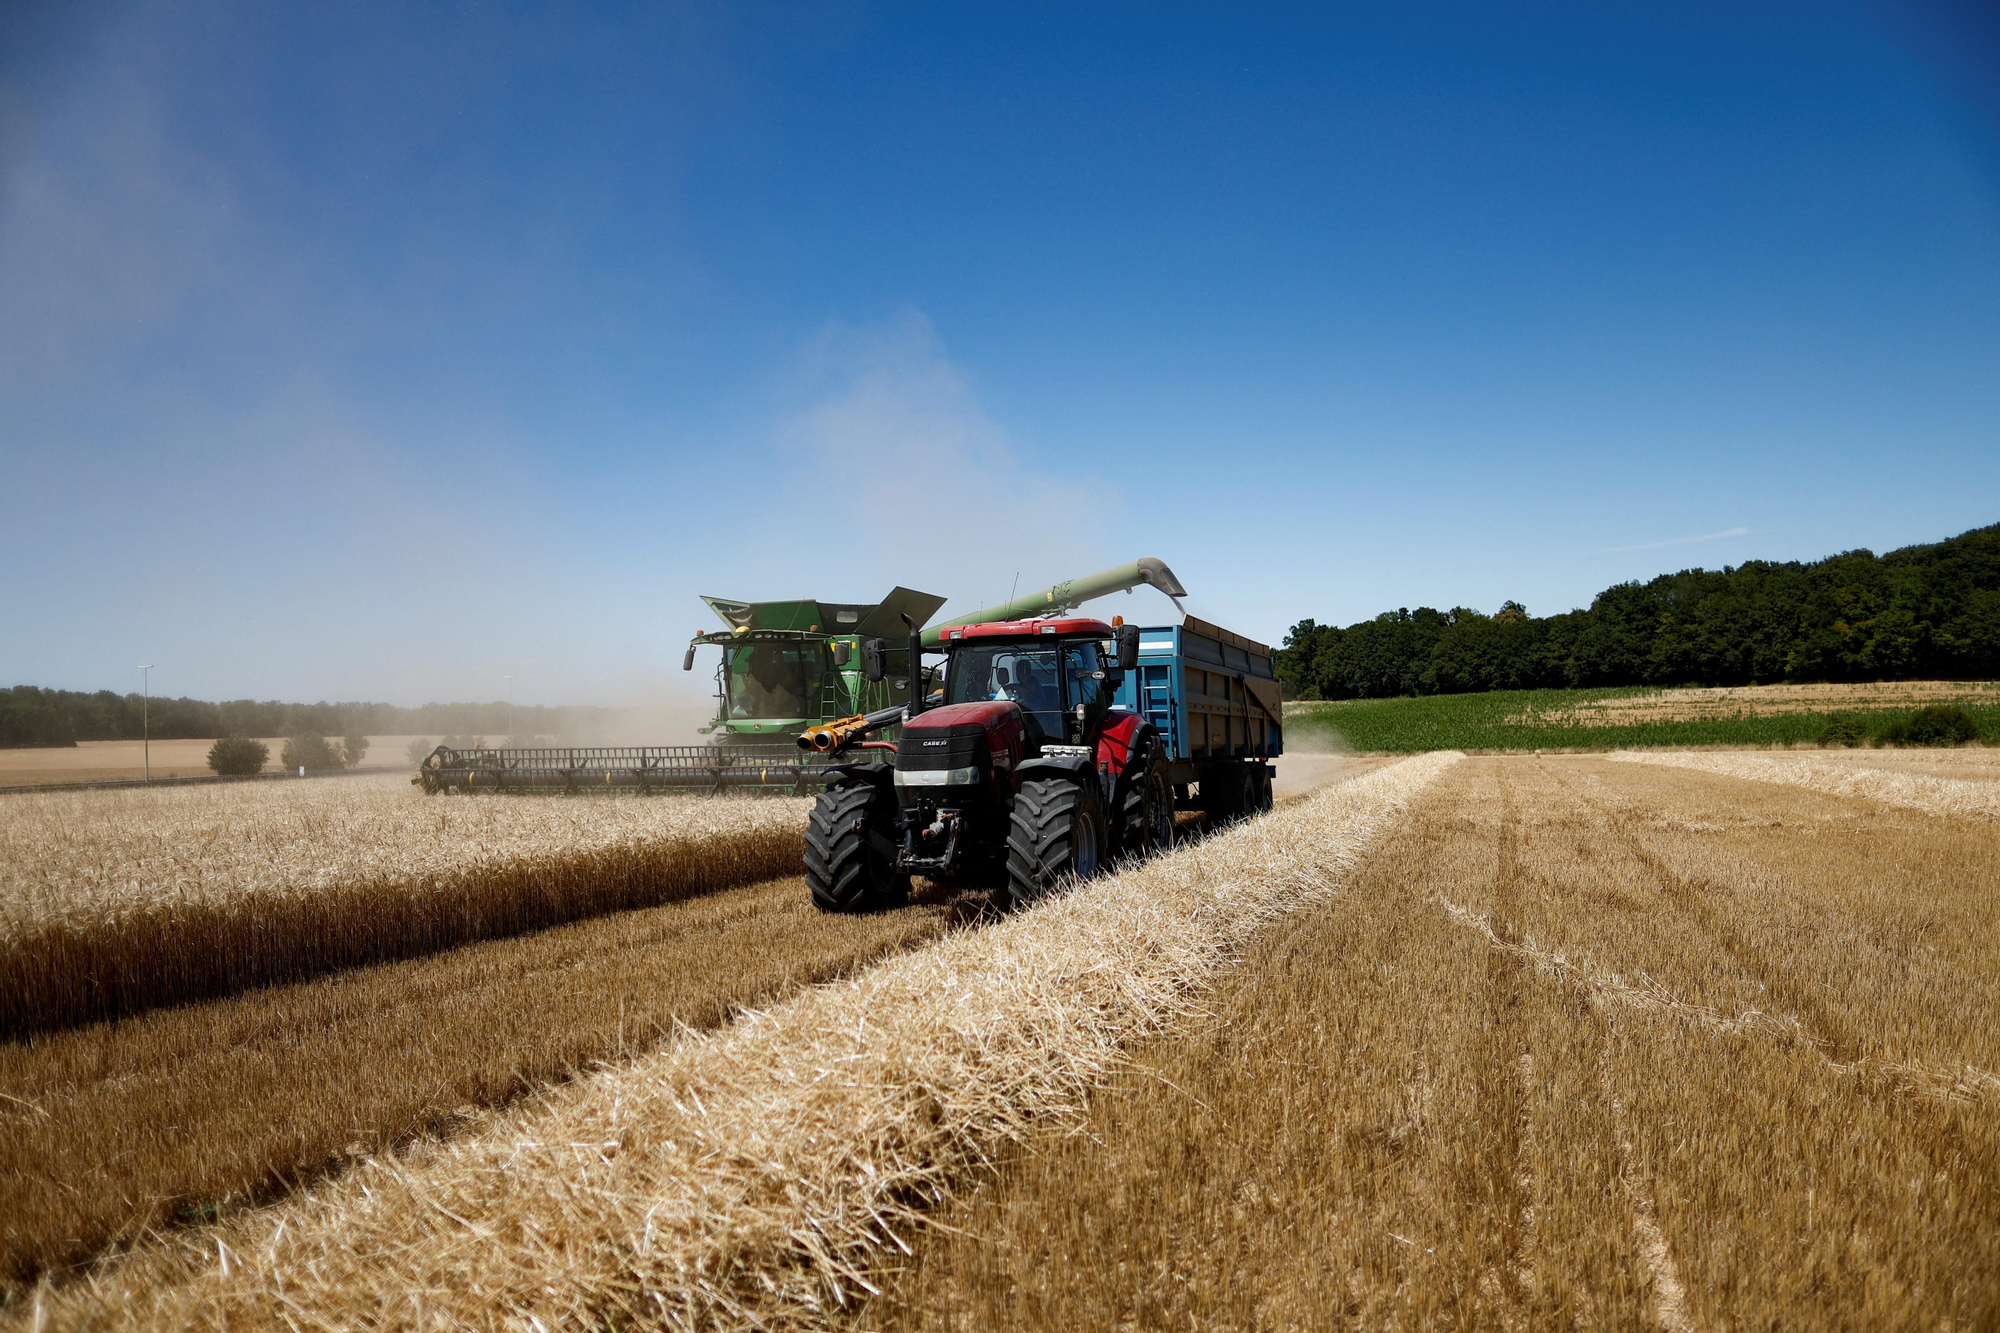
pixel 1316 754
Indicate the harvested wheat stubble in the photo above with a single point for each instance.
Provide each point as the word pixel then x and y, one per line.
pixel 1567 1053
pixel 1950 797
pixel 114 902
pixel 749 1178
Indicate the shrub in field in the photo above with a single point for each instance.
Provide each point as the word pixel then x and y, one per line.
pixel 353 747
pixel 1847 731
pixel 236 756
pixel 419 749
pixel 311 753
pixel 1939 724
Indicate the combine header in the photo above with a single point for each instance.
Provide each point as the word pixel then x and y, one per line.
pixel 787 670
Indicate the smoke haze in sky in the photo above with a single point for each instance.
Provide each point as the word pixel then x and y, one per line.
pixel 386 351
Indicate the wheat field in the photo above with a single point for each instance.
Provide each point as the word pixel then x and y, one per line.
pixel 113 902
pixel 1511 1042
pixel 757 1171
pixel 115 1130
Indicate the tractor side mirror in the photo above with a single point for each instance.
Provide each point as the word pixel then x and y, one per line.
pixel 1128 648
pixel 871 659
pixel 842 651
pixel 687 663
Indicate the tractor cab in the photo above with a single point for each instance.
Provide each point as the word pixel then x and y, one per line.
pixel 1059 673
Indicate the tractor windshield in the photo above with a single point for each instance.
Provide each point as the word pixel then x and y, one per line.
pixel 1027 675
pixel 774 680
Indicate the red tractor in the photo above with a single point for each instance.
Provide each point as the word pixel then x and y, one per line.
pixel 1026 767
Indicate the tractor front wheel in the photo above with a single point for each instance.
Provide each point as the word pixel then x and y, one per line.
pixel 1058 834
pixel 845 869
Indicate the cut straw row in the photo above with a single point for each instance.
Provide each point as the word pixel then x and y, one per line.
pixel 1958 798
pixel 752 1179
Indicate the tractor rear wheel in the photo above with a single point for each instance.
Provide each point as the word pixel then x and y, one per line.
pixel 845 871
pixel 1149 812
pixel 1058 834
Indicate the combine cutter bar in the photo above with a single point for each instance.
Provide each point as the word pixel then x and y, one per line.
pixel 637 768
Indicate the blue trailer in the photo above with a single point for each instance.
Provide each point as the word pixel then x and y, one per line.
pixel 1214 697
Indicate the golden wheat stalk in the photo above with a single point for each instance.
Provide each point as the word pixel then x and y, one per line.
pixel 115 902
pixel 750 1179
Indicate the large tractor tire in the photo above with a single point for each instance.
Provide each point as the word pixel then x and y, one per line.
pixel 1059 834
pixel 1148 822
pixel 844 870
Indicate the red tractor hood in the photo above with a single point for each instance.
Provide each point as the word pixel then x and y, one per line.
pixel 986 714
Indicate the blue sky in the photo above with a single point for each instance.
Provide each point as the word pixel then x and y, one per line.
pixel 384 350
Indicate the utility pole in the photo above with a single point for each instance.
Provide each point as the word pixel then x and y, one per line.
pixel 146 714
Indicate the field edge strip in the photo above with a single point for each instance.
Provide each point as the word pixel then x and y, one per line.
pixel 1960 798
pixel 752 1175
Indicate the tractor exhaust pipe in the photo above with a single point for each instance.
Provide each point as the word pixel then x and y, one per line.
pixel 916 666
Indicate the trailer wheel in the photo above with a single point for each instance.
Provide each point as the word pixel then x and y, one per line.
pixel 1224 793
pixel 1257 790
pixel 1058 834
pixel 846 872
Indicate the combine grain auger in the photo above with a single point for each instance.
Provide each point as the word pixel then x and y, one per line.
pixel 788 671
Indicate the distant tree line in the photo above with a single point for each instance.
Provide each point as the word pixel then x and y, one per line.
pixel 1922 612
pixel 33 716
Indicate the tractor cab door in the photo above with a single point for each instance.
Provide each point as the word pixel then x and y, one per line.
pixel 1089 692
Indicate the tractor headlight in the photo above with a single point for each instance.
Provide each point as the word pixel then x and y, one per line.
pixel 968 776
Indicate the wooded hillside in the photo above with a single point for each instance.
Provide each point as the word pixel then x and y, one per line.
pixel 1922 612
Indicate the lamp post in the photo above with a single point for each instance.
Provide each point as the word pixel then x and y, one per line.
pixel 146 714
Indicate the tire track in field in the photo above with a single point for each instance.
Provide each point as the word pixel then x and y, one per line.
pixel 1697 899
pixel 1506 1173
pixel 1669 1292
pixel 1510 960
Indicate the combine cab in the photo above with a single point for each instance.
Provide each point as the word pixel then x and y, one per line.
pixel 787 666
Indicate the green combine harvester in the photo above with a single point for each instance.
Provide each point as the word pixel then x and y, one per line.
pixel 784 667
